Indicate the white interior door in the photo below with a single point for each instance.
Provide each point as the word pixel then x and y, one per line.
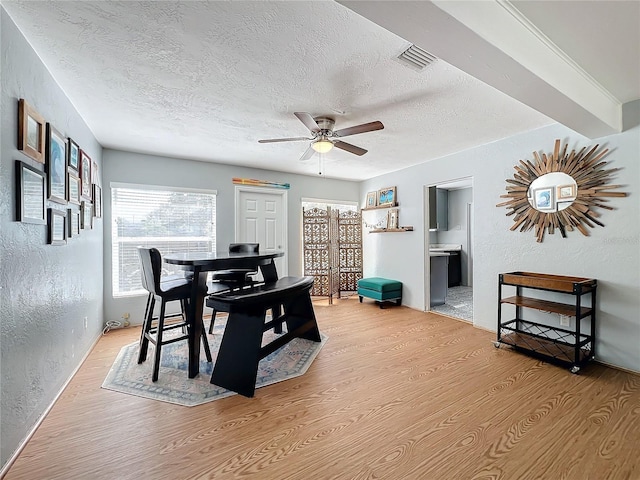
pixel 261 217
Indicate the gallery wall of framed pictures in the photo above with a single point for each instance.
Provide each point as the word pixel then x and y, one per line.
pixel 63 174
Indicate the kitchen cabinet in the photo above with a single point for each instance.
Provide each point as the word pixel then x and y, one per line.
pixel 572 347
pixel 438 278
pixel 438 209
pixel 455 269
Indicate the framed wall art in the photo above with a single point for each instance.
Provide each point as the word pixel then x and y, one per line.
pixel 566 192
pixel 56 165
pixel 73 222
pixel 73 187
pixel 97 201
pixel 387 196
pixel 73 155
pixel 85 175
pixel 57 227
pixel 31 187
pixel 31 131
pixel 86 215
pixel 544 200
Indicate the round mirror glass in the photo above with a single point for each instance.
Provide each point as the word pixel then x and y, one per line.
pixel 552 192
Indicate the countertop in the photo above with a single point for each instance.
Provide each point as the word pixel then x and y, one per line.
pixel 444 247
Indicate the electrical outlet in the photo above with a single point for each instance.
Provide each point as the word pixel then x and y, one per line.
pixel 86 322
pixel 126 316
pixel 565 320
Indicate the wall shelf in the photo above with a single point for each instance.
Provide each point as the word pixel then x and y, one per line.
pixel 381 207
pixel 391 230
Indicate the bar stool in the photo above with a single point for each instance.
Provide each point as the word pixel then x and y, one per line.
pixel 164 289
pixel 234 278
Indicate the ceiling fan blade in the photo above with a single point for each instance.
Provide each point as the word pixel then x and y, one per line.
pixel 349 148
pixel 307 154
pixel 308 120
pixel 365 127
pixel 292 139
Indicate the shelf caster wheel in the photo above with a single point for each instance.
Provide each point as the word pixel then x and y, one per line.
pixel 497 344
pixel 575 369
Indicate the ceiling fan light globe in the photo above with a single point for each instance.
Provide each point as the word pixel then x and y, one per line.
pixel 322 146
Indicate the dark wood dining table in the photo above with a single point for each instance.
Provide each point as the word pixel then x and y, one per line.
pixel 202 263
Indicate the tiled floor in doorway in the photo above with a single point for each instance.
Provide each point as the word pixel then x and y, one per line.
pixel 459 303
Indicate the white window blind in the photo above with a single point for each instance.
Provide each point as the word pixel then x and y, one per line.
pixel 169 219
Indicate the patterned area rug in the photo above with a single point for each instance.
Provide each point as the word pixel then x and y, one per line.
pixel 174 384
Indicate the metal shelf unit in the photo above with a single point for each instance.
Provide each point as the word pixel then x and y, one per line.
pixel 572 348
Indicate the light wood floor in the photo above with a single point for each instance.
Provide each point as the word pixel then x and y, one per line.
pixel 394 394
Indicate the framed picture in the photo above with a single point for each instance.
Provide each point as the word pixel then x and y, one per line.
pixel 94 172
pixel 30 194
pixel 566 192
pixel 73 155
pixel 31 131
pixel 392 218
pixel 86 215
pixel 57 227
pixel 73 187
pixel 97 201
pixel 56 165
pixel 73 222
pixel 372 199
pixel 85 175
pixel 544 200
pixel 387 196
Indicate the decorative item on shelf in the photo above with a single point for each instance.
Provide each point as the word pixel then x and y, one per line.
pixel 392 219
pixel 31 131
pixel 560 190
pixel 387 196
pixel 372 199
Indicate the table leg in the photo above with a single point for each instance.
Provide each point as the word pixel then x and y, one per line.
pixel 236 367
pixel 196 304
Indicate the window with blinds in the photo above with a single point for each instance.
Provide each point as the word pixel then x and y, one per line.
pixel 169 219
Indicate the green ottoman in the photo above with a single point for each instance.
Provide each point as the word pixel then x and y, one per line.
pixel 380 289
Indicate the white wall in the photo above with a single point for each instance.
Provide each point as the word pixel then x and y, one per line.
pixel 45 291
pixel 610 254
pixel 147 169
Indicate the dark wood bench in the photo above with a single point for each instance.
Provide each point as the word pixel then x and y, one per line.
pixel 241 348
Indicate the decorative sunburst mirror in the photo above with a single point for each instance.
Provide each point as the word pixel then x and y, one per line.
pixel 560 191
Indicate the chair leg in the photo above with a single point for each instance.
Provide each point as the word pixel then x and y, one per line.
pixel 213 319
pixel 205 344
pixel 156 360
pixel 146 328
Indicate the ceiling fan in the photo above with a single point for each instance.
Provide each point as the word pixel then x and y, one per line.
pixel 324 137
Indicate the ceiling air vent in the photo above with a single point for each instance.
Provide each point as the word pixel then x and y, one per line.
pixel 416 58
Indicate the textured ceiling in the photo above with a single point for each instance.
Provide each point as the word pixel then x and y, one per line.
pixel 207 80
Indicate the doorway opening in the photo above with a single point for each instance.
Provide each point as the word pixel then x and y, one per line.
pixel 449 276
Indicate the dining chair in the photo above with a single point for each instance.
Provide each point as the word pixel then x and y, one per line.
pixel 163 289
pixel 233 278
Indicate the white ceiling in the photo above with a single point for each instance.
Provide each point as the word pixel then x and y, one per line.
pixel 206 80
